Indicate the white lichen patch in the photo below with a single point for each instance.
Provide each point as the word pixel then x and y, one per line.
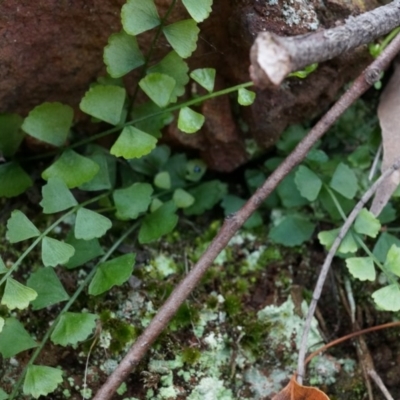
pixel 323 370
pixel 287 326
pixel 211 389
pixel 164 265
pixel 204 378
pixel 298 12
pixel 264 386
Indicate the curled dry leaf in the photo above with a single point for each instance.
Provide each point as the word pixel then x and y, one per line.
pixel 294 391
pixel 389 119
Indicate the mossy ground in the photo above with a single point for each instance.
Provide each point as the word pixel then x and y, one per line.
pixel 234 338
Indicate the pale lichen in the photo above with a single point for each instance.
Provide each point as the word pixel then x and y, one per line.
pixel 298 12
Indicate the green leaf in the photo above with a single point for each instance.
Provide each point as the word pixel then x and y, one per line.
pixel 290 138
pixel 3 268
pixel 133 200
pixel 48 287
pixel 156 203
pixel 195 169
pixel 49 122
pixel 73 328
pixel 150 164
pixel 384 243
pixel 388 298
pixel 344 181
pixel 72 168
pixel 158 223
pixel 156 122
pixel 104 102
pixel 55 252
pixel 173 66
pixel 176 167
pixel 190 121
pixel 328 204
pixel 361 157
pixel 1 328
pixel 14 180
pixel 182 36
pixel 198 10
pixel 139 16
pixel 367 224
pixel 348 244
pixel 316 157
pixel 289 194
pixel 246 97
pixel 182 198
pixel 206 195
pixel 293 230
pixel 16 295
pixel 122 54
pixel 10 134
pixel 41 380
pixel 392 262
pixel 205 77
pixel 388 214
pixel 90 224
pixel 3 394
pixel 162 180
pixel 133 143
pixel 14 338
pixel 111 273
pixel 85 250
pixel 361 268
pixel 20 228
pixel 105 177
pixel 56 196
pixel 159 87
pixel 308 183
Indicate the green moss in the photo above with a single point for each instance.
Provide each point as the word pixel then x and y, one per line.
pixel 232 304
pixel 212 302
pixel 121 332
pixel 190 355
pixel 185 317
pixel 271 253
pixel 255 333
pixel 242 286
pixel 121 335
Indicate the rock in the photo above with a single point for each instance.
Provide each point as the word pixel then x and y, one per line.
pixel 52 50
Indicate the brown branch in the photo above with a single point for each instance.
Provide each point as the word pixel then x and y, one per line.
pixel 231 225
pixel 273 57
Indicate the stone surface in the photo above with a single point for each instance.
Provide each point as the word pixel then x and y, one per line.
pixel 51 50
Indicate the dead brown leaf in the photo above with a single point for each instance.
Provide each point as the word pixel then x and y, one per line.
pixel 294 391
pixel 389 119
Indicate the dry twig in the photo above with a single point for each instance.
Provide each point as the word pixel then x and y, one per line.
pixel 273 57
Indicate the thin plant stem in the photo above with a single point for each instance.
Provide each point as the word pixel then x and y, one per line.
pixel 351 336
